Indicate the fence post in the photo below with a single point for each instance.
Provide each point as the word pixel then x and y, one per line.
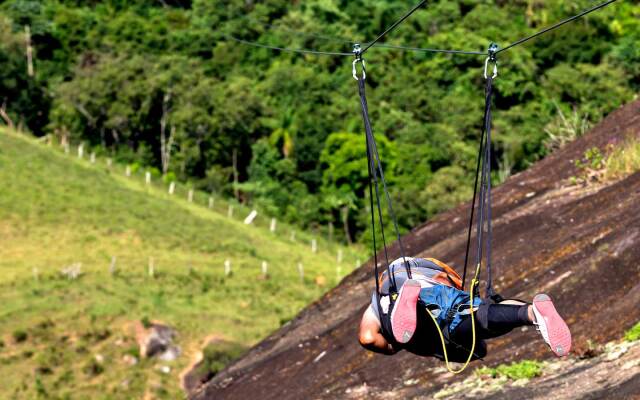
pixel 227 267
pixel 301 272
pixel 314 246
pixel 92 158
pixel 172 188
pixel 230 211
pixel 127 171
pixel 251 217
pixel 265 266
pixel 80 150
pixel 151 269
pixel 190 196
pixel 211 202
pixel 112 266
pixel 147 177
pixel 109 162
pixel 339 257
pixel 27 33
pixel 272 226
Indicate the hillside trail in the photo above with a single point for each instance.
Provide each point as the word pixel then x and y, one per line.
pixel 581 245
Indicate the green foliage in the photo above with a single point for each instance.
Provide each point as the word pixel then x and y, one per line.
pixel 526 369
pixel 633 333
pixel 146 323
pixel 162 85
pixel 93 368
pixel 19 335
pixel 590 167
pixel 616 163
pixel 592 159
pixel 218 354
pixel 565 129
pixel 624 160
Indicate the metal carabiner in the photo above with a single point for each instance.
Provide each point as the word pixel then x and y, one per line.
pixel 357 52
pixel 492 52
pixel 355 70
pixel 495 68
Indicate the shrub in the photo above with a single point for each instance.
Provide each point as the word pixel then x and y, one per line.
pixel 565 129
pixel 218 355
pixel 633 333
pixel 20 336
pixel 93 368
pixel 624 160
pixel 526 369
pixel 146 322
pixel 169 177
pixel 591 167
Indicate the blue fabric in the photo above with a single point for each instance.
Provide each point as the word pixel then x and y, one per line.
pixel 446 298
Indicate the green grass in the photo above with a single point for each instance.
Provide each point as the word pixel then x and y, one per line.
pixel 633 333
pixel 616 163
pixel 624 160
pixel 526 369
pixel 57 210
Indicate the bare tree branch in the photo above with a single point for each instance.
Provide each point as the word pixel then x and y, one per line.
pixel 5 116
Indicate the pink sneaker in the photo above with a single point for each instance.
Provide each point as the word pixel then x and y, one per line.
pixel 552 327
pixel 404 313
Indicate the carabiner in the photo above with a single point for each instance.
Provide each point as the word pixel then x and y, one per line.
pixel 495 68
pixel 357 52
pixel 492 52
pixel 355 70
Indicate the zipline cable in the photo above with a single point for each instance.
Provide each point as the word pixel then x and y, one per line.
pixel 394 26
pixel 352 42
pixel 557 25
pixel 287 49
pixel 427 50
pixel 375 43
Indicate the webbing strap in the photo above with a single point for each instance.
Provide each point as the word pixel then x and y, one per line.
pixel 483 177
pixel 376 175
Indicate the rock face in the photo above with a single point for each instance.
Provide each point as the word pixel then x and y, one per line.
pixel 157 341
pixel 581 245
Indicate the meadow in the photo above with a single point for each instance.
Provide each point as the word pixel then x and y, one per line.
pixel 75 338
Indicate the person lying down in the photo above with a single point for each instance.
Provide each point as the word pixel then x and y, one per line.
pixel 399 319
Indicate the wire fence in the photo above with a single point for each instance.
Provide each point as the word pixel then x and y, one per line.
pixel 187 196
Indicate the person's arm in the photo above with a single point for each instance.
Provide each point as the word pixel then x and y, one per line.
pixel 370 337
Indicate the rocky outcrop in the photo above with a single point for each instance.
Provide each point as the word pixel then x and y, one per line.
pixel 156 340
pixel 579 244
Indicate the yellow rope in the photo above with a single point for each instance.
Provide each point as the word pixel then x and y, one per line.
pixel 474 282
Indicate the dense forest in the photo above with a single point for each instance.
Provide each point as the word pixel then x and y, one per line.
pixel 163 85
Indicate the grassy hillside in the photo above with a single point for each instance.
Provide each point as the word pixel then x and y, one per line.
pixel 67 338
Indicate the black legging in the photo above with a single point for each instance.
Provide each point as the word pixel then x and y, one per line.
pixel 492 320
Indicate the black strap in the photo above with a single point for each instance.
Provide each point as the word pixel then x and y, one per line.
pixel 376 175
pixel 483 178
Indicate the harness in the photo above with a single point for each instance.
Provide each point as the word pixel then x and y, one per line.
pixel 444 278
pixel 482 193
